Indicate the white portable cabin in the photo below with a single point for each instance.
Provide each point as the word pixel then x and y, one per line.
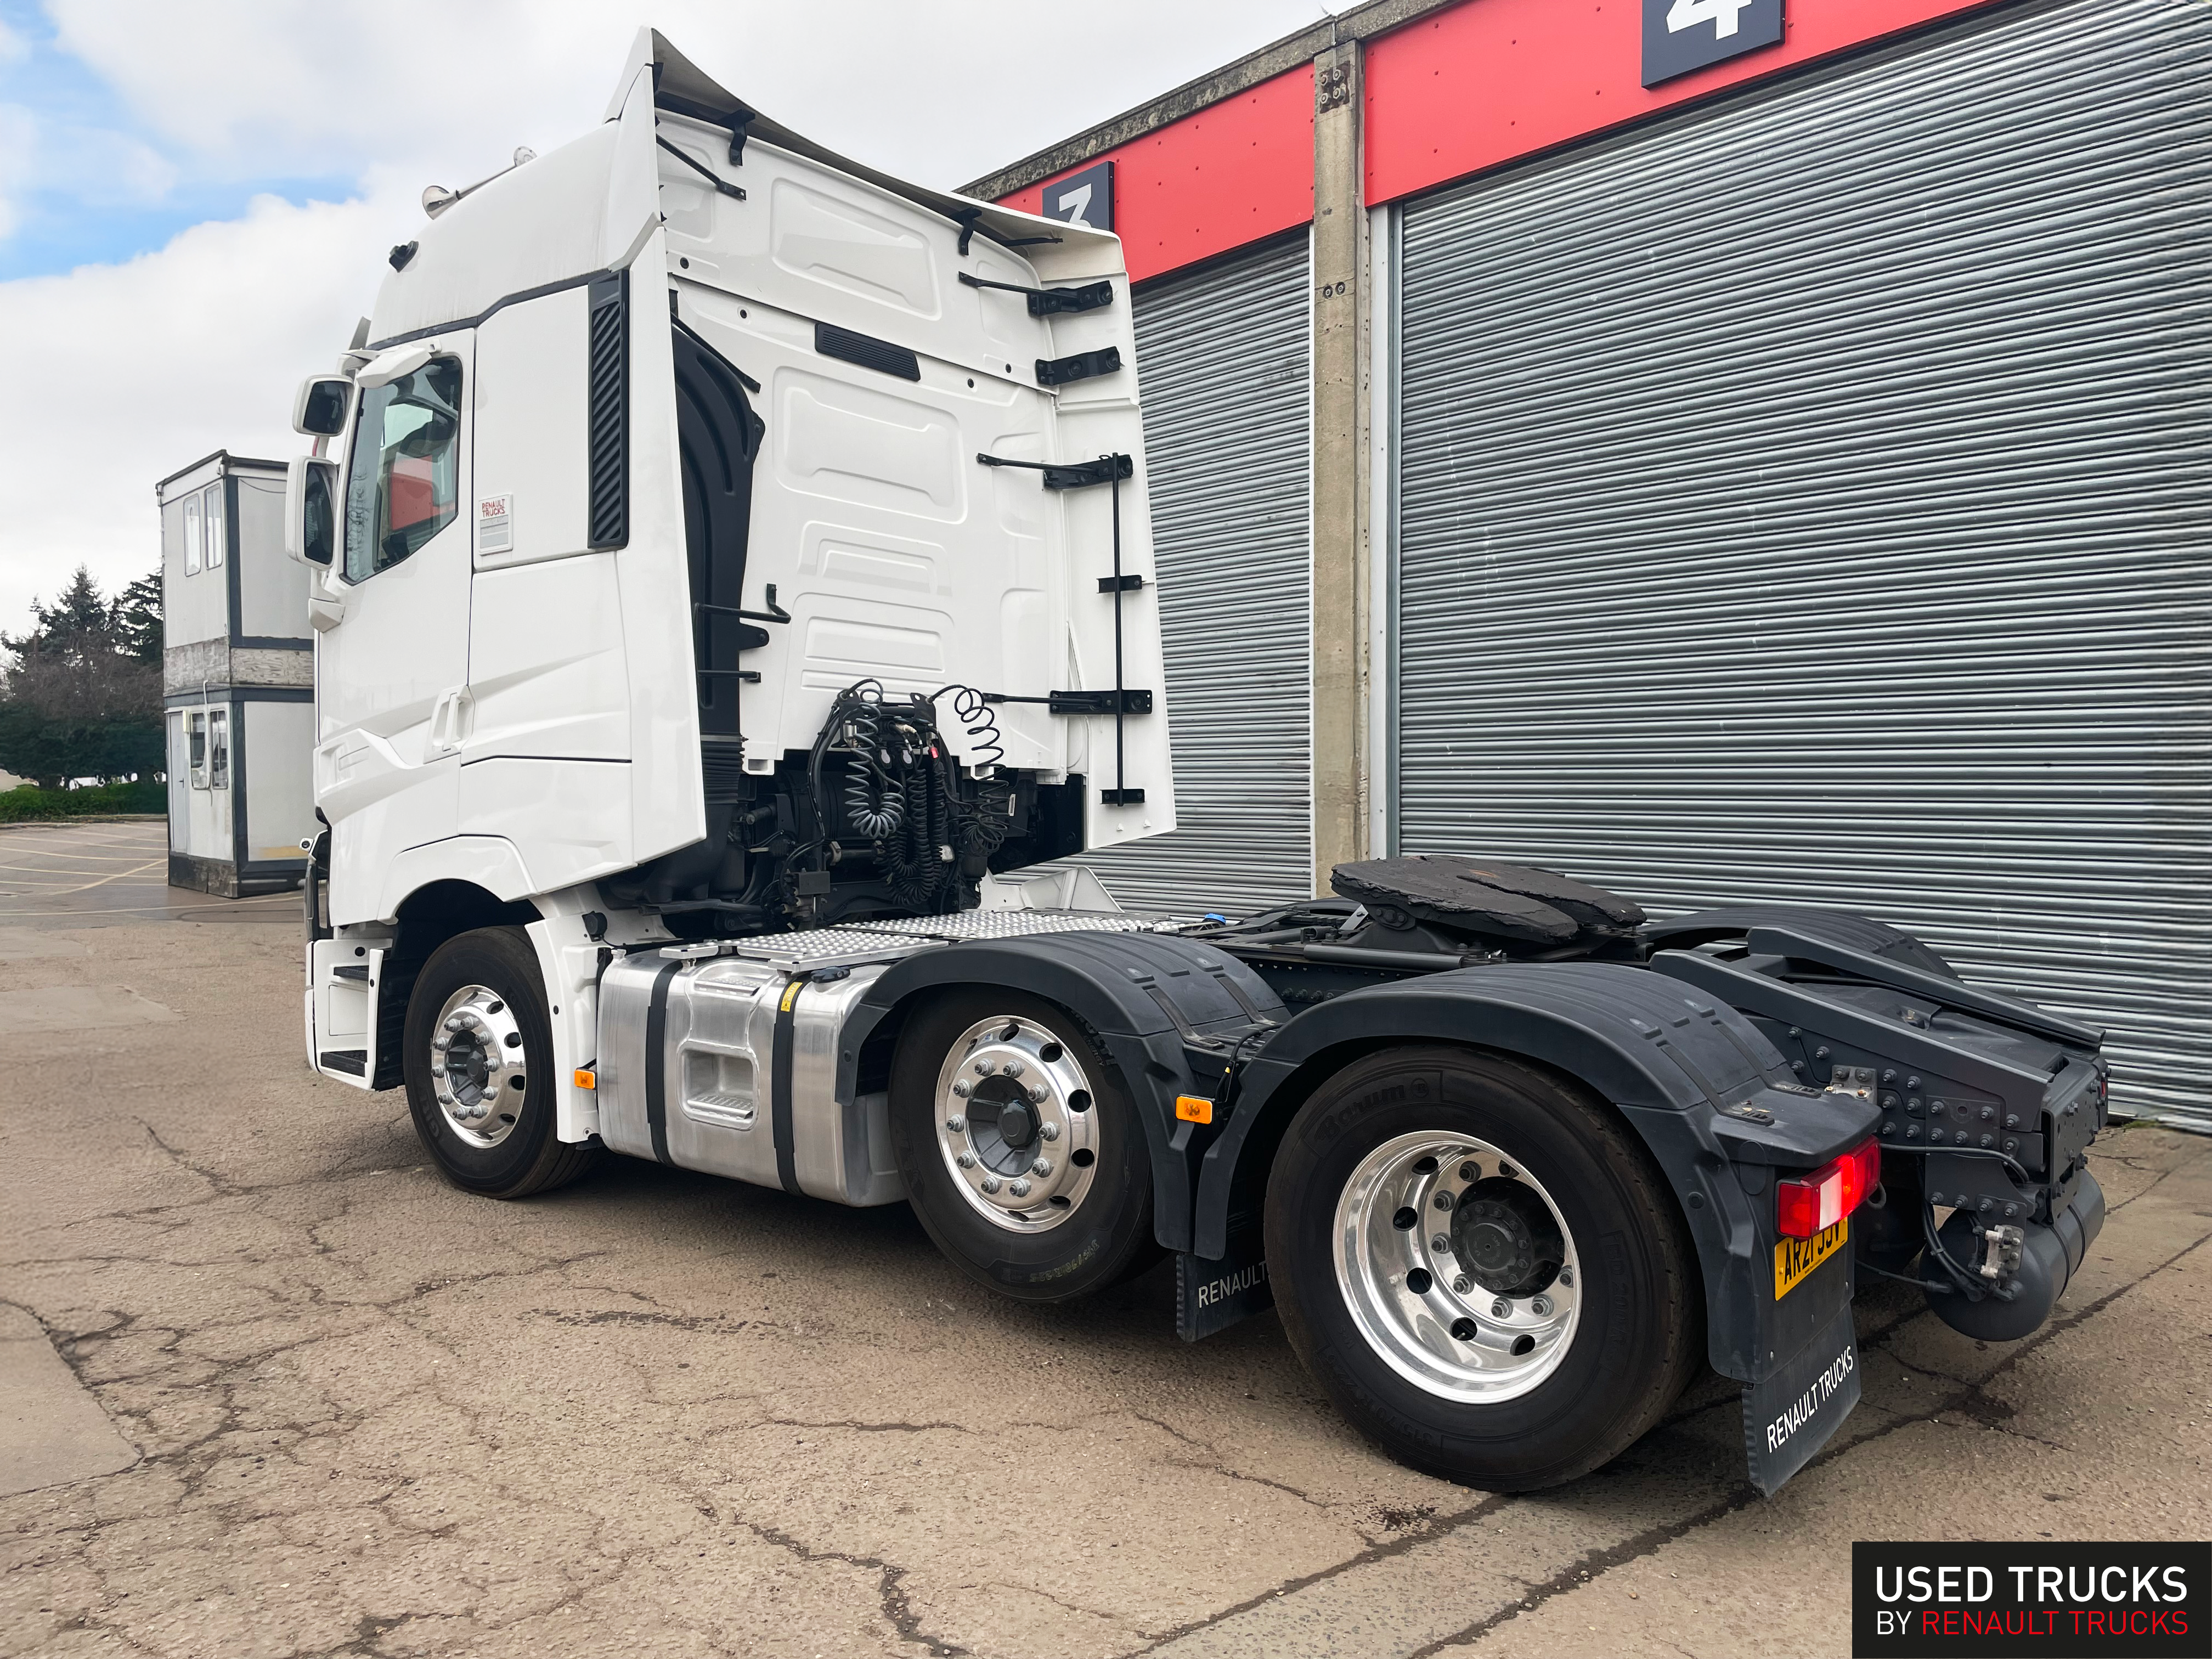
pixel 237 679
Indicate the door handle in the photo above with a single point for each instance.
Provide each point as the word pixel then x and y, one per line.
pixel 447 719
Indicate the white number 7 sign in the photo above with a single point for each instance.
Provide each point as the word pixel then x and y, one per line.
pixel 1723 15
pixel 1077 203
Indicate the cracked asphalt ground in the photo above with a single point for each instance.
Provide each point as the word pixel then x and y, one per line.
pixel 654 1414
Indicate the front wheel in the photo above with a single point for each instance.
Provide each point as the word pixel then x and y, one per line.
pixel 1481 1266
pixel 478 1060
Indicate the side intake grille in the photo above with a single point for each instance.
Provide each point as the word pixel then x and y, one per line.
pixel 609 411
pixel 869 353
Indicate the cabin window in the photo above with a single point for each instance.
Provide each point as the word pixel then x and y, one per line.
pixel 219 748
pixel 213 541
pixel 191 535
pixel 404 484
pixel 196 736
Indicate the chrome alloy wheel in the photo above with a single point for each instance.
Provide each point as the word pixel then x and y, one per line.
pixel 477 1066
pixel 1016 1124
pixel 1457 1266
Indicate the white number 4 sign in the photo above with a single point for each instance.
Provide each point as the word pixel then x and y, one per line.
pixel 1723 14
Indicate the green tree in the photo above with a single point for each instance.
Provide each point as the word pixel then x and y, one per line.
pixel 78 622
pixel 82 699
pixel 137 615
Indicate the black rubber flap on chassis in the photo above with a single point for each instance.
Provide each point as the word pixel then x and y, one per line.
pixel 1793 1413
pixel 1487 895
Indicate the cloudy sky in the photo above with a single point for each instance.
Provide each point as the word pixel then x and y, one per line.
pixel 195 199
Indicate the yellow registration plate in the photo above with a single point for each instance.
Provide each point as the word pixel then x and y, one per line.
pixel 1795 1258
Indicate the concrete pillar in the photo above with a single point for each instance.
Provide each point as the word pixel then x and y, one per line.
pixel 1341 416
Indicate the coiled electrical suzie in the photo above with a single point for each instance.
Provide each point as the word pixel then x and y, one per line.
pixel 976 717
pixel 901 813
pixel 877 820
pixel 874 804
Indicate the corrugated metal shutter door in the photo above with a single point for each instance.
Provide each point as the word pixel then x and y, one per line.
pixel 1227 390
pixel 1806 498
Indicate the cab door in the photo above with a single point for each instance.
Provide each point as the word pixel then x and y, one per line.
pixel 547 760
pixel 392 693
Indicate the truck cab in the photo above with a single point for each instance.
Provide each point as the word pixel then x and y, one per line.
pixel 692 489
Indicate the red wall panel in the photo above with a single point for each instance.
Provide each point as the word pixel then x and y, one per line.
pixel 1232 173
pixel 1492 80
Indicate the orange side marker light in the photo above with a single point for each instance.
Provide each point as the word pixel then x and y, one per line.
pixel 1194 1109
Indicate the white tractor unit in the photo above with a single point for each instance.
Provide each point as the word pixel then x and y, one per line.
pixel 731 580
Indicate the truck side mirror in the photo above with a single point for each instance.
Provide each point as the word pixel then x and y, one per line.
pixel 311 511
pixel 319 411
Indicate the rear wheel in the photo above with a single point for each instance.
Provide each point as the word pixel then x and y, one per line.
pixel 1020 1150
pixel 478 1060
pixel 1482 1268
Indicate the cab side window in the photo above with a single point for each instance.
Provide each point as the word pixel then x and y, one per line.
pixel 404 484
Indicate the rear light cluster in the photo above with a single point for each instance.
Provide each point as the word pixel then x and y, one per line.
pixel 1807 1205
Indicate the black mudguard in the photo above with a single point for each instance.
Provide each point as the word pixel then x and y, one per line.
pixel 1709 1095
pixel 1172 1012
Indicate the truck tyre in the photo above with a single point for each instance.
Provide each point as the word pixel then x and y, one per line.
pixel 1481 1265
pixel 1020 1149
pixel 478 1060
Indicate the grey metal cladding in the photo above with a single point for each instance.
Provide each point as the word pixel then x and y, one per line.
pixel 1803 499
pixel 1014 924
pixel 717 1104
pixel 841 1147
pixel 1227 390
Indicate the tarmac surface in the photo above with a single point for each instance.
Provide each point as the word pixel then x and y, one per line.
pixel 268 1386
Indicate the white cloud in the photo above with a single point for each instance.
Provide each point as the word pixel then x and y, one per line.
pixel 261 90
pixel 100 167
pixel 940 91
pixel 94 166
pixel 120 374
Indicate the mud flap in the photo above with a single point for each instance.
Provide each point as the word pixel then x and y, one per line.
pixel 1791 1414
pixel 1211 1296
